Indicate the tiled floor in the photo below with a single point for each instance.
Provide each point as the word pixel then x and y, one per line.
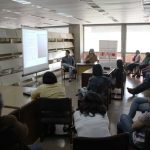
pixel 116 108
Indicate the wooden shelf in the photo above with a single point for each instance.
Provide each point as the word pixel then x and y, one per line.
pixel 11 53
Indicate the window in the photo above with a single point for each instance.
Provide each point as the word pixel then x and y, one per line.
pixel 138 37
pixel 58 29
pixel 92 35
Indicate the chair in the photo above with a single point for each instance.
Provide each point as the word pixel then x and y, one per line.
pixel 116 142
pixel 54 111
pixel 120 83
pixel 65 71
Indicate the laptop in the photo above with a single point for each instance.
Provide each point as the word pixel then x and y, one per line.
pixel 28 90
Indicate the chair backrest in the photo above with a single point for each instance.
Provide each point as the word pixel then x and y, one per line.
pixel 55 110
pixel 116 142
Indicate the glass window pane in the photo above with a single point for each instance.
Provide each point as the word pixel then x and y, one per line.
pixel 92 35
pixel 138 37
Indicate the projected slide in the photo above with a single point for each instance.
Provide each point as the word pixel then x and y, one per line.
pixel 35 50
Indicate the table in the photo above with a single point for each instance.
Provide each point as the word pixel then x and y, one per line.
pixel 88 73
pixel 7 111
pixel 81 67
pixel 13 96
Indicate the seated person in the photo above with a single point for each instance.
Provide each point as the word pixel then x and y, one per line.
pixel 146 71
pixel 50 88
pixel 136 128
pixel 98 83
pixel 136 60
pixel 139 104
pixel 118 76
pixel 19 131
pixel 68 62
pixel 91 57
pixel 144 64
pixel 142 87
pixel 91 119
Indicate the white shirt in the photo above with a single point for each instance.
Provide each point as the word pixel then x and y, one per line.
pixel 88 126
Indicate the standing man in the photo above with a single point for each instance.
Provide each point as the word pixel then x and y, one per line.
pixel 68 62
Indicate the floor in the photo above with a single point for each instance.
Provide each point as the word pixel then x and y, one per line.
pixel 116 108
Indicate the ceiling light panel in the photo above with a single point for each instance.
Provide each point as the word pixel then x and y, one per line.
pixel 22 1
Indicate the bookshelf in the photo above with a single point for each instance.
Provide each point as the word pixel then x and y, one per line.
pixel 11 63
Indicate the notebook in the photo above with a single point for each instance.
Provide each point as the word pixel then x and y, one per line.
pixel 28 90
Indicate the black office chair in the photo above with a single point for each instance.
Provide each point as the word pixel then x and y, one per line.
pixel 116 142
pixel 54 111
pixel 120 83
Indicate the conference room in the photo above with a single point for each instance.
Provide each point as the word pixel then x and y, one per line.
pixel 34 39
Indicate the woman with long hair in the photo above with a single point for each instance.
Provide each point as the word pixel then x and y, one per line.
pixel 91 117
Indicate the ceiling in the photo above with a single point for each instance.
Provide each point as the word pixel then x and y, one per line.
pixel 44 13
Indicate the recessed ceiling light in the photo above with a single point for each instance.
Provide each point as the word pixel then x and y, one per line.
pixel 6 10
pixel 37 6
pixel 17 12
pixel 10 18
pixel 22 1
pixel 65 15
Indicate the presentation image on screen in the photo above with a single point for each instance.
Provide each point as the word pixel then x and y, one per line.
pixel 35 50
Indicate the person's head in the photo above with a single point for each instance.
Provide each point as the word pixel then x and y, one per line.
pixel 1 104
pixel 137 52
pixel 49 78
pixel 67 52
pixel 91 51
pixel 97 70
pixel 92 104
pixel 147 54
pixel 120 64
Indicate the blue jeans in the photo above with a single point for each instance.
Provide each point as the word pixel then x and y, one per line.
pixel 70 68
pixel 139 104
pixel 125 124
pixel 35 147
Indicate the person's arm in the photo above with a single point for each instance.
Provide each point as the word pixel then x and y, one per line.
pixel 96 59
pixel 63 61
pixel 142 121
pixel 35 94
pixel 87 58
pixel 73 61
pixel 138 124
pixel 137 59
